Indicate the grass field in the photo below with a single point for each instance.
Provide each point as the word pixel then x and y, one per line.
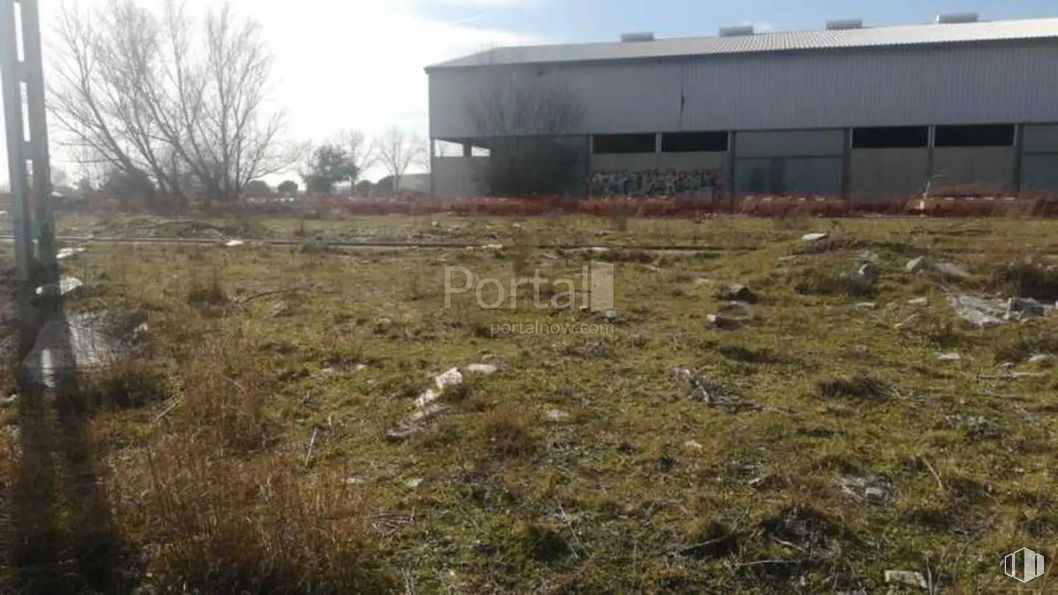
pixel 815 440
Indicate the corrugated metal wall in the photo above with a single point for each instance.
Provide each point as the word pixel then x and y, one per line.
pixel 957 84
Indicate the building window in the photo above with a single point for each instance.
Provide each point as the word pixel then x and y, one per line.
pixel 603 144
pixel 693 142
pixel 890 137
pixel 988 135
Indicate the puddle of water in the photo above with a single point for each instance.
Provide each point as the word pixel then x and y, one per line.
pixel 82 341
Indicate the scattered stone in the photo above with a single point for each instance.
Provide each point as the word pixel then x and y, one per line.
pixel 383 325
pixel 416 422
pixel 556 415
pixel 1021 309
pixel 413 483
pixel 609 315
pixel 906 577
pixel 1041 359
pixel 64 287
pixel 952 271
pixel 918 301
pixel 815 237
pixel 867 306
pixel 10 401
pixel 483 369
pixel 279 310
pixel 65 253
pixel 868 256
pixel 737 292
pixel 84 341
pixel 907 322
pixel 949 357
pixel 598 349
pixel 639 340
pixel 865 277
pixel 451 377
pixel 233 243
pixel 872 489
pixel 726 323
pixel 693 445
pixel 977 311
pixel 711 393
pixel 915 265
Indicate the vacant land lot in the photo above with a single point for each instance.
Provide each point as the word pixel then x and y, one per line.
pixel 807 432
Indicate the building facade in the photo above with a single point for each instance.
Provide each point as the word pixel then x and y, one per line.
pixel 869 113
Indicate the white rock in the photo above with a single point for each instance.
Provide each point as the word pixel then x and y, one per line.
pixel 413 483
pixel 68 253
pixel 906 577
pixel 1042 359
pixel 233 243
pixel 949 357
pixel 815 237
pixel 867 306
pixel 915 264
pixel 693 445
pixel 451 377
pixel 918 301
pixel 483 369
pixel 556 415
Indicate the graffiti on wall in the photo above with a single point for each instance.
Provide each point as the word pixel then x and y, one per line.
pixel 653 183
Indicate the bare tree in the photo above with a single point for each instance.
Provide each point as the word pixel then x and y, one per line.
pixel 162 96
pixel 361 152
pixel 399 151
pixel 528 123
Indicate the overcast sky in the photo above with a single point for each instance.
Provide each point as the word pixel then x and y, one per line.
pixel 359 63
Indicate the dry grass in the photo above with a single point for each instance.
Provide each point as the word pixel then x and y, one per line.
pixel 265 466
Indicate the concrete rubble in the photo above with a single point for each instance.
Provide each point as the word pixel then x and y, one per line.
pixel 872 489
pixel 985 312
pixel 483 369
pixel 906 577
pixel 84 342
pixel 556 415
pixel 952 271
pixel 65 286
pixel 737 292
pixel 66 253
pixel 915 265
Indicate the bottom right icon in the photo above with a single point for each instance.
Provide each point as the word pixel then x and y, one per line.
pixel 1023 565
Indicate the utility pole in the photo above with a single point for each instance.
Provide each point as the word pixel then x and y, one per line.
pixel 28 161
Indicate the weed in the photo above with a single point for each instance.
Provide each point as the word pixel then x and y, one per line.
pixel 507 432
pixel 855 387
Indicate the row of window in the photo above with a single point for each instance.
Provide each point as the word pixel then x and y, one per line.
pixel 882 137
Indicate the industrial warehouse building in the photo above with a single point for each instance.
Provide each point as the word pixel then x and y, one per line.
pixel 871 113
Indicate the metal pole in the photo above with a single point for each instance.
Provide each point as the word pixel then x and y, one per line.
pixel 33 73
pixel 16 140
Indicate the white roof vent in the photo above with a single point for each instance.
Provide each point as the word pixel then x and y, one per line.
pixel 956 17
pixel 844 24
pixel 736 31
pixel 637 37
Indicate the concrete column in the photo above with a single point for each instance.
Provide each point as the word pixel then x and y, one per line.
pixel 846 168
pixel 468 150
pixel 38 129
pixel 10 68
pixel 657 150
pixel 729 179
pixel 1019 147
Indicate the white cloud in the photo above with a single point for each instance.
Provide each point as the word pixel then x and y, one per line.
pixel 356 63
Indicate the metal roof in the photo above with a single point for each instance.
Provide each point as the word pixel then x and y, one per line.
pixel 904 35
